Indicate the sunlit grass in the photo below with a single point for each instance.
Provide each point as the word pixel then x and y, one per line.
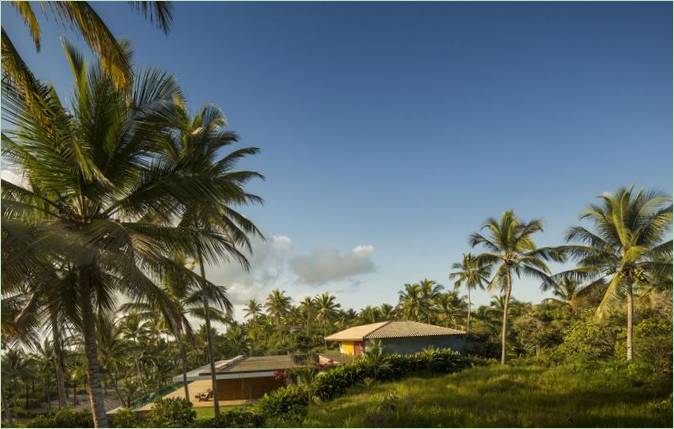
pixel 511 396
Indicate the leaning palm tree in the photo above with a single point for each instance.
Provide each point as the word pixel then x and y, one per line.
pixel 627 247
pixel 98 196
pixel 510 250
pixel 470 273
pixel 81 16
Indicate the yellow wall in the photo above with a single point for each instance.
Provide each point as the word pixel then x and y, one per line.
pixel 351 348
pixel 347 348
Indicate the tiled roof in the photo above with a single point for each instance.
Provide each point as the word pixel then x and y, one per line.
pixel 391 329
pixel 356 333
pixel 411 329
pixel 254 364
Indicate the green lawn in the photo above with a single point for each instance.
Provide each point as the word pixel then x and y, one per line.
pixel 512 396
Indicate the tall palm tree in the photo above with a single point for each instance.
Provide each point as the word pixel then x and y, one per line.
pixel 326 312
pixel 195 144
pixel 430 292
pixel 510 250
pixel 626 248
pixel 470 273
pixel 98 197
pixel 81 16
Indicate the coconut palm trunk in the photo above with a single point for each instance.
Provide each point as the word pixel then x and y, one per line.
pixel 630 314
pixel 504 325
pixel 468 318
pixel 209 341
pixel 58 360
pixel 94 389
pixel 183 359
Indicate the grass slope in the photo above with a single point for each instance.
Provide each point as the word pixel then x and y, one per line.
pixel 504 397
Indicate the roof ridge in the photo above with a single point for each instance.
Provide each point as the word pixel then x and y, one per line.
pixel 377 328
pixel 230 363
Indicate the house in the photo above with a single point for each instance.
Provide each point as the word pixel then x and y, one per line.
pixel 240 380
pixel 402 337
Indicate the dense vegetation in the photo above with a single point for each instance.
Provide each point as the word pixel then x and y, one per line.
pixel 126 195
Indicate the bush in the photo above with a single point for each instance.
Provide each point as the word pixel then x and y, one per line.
pixel 171 412
pixel 63 418
pixel 284 407
pixel 586 343
pixel 234 418
pixel 125 418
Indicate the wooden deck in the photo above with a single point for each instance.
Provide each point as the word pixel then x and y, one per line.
pixel 195 388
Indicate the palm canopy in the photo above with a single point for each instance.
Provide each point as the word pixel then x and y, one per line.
pixel 626 245
pixel 511 249
pixel 471 272
pixel 96 191
pixel 81 16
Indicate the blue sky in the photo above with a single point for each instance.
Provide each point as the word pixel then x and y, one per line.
pixel 390 132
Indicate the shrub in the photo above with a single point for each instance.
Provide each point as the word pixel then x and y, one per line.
pixel 63 418
pixel 284 407
pixel 235 418
pixel 587 342
pixel 172 412
pixel 125 418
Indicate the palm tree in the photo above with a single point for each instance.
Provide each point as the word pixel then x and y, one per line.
pixel 195 145
pixel 511 250
pixel 567 292
pixel 81 16
pixel 253 309
pixel 98 199
pixel 14 368
pixel 277 306
pixel 471 274
pixel 411 302
pixel 369 314
pixel 449 307
pixel 387 312
pixel 625 248
pixel 416 300
pixel 326 312
pixel 307 313
pixel 430 292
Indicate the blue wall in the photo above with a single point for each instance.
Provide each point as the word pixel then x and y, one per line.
pixel 416 344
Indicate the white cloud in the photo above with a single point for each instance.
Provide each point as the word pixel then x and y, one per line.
pixel 267 265
pixel 327 265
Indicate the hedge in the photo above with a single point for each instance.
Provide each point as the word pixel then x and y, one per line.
pixel 287 405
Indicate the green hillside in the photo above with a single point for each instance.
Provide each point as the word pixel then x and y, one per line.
pixel 506 397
